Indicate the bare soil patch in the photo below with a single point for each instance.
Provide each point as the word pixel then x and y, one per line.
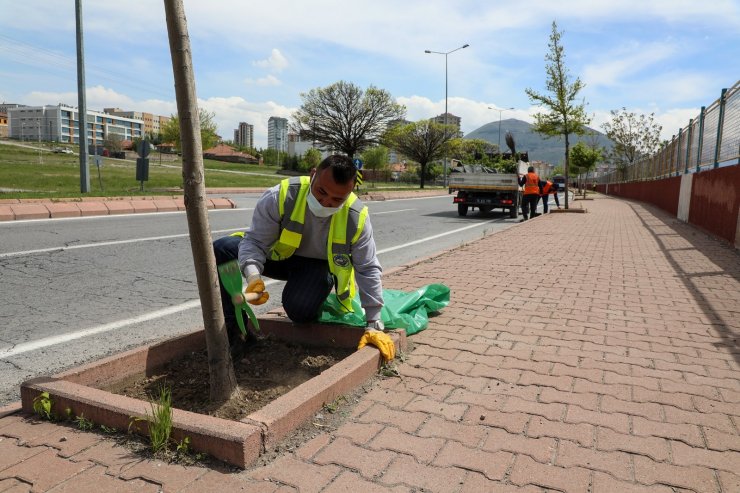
pixel 269 369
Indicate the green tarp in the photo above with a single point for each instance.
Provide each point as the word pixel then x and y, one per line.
pixel 402 310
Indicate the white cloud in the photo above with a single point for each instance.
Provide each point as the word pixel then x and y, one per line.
pixel 625 61
pixel 275 63
pixel 232 110
pixel 269 80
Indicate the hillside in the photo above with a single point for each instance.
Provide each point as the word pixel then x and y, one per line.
pixel 550 150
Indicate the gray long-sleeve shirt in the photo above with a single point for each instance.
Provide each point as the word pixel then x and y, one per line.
pixel 265 231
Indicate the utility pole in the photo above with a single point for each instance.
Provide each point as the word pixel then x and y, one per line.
pixel 81 102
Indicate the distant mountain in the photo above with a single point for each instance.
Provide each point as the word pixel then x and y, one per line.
pixel 550 150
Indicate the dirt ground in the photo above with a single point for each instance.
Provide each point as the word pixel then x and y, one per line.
pixel 270 369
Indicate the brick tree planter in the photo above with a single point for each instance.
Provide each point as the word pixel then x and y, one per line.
pixel 237 442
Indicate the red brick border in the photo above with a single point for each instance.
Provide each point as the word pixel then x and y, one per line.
pixel 238 443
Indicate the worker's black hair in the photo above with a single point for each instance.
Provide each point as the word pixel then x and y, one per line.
pixel 530 169
pixel 342 168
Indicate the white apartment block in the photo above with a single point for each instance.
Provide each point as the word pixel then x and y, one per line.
pixel 277 133
pixel 244 135
pixel 60 123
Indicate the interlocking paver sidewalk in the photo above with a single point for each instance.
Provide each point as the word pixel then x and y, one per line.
pixel 580 352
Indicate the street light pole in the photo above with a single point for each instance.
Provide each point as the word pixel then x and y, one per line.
pixel 38 124
pixel 445 53
pixel 500 110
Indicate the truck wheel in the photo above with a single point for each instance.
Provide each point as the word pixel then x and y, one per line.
pixel 512 212
pixel 462 209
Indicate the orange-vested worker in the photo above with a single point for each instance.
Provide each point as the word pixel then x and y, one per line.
pixel 531 195
pixel 547 188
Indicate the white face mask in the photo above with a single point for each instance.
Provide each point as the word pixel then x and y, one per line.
pixel 317 209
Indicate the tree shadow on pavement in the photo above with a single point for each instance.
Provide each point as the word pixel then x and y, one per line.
pixel 696 257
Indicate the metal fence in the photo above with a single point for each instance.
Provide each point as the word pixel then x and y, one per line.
pixel 710 140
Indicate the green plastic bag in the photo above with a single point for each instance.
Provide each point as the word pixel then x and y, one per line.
pixel 402 310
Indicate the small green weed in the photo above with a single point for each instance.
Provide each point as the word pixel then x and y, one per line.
pixel 108 430
pixel 42 405
pixel 184 446
pixel 332 407
pixel 83 423
pixel 160 422
pixel 133 422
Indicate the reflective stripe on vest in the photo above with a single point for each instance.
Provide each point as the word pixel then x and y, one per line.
pixel 532 185
pixel 292 209
pixel 346 223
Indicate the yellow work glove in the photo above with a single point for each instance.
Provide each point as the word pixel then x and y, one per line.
pixel 380 340
pixel 256 285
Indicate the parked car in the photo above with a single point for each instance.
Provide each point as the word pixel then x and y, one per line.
pixel 62 150
pixel 559 180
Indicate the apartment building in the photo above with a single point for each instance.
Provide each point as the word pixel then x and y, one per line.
pixel 153 124
pixel 277 133
pixel 451 120
pixel 244 135
pixel 60 123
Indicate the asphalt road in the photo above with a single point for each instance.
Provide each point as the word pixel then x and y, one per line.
pixel 76 290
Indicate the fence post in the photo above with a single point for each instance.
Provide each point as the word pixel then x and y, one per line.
pixel 674 165
pixel 720 122
pixel 688 144
pixel 701 138
pixel 678 152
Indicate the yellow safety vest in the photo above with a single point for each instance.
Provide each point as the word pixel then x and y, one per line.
pixel 346 223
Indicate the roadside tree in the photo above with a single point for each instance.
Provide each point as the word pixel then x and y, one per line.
pixel 312 158
pixel 375 158
pixel 565 116
pixel 471 151
pixel 171 130
pixel 423 141
pixel 114 143
pixel 345 118
pixel 222 378
pixel 634 137
pixel 583 159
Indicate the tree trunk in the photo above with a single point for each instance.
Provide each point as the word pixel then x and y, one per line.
pixel 567 166
pixel 423 173
pixel 222 378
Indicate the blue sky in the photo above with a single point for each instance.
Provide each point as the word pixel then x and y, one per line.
pixel 254 59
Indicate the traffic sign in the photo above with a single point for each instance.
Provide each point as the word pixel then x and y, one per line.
pixel 144 147
pixel 358 163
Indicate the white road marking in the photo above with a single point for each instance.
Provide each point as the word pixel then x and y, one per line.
pixel 392 212
pixel 107 216
pixel 71 336
pixel 429 238
pixel 107 243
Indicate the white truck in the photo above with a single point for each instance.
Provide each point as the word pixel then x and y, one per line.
pixel 484 188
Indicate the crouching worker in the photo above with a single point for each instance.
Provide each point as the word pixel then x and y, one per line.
pixel 546 188
pixel 315 234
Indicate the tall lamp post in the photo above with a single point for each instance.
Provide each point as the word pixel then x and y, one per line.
pixel 38 124
pixel 500 110
pixel 445 53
